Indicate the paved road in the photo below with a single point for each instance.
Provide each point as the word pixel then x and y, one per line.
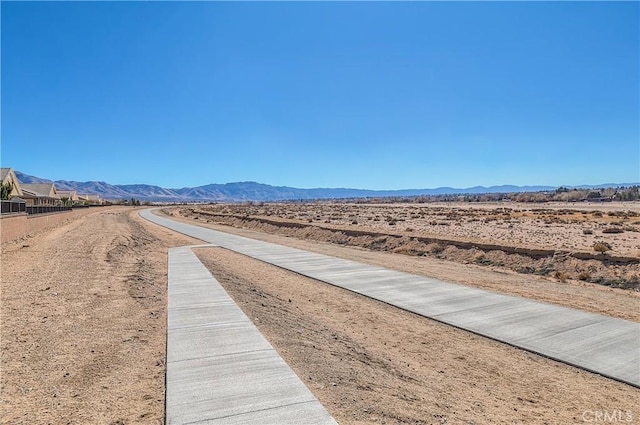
pixel 601 344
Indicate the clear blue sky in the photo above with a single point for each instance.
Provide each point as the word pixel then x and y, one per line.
pixel 365 95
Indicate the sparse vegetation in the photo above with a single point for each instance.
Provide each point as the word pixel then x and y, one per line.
pixel 561 276
pixel 562 194
pixel 5 190
pixel 584 276
pixel 436 249
pixel 513 237
pixel 601 247
pixel 613 230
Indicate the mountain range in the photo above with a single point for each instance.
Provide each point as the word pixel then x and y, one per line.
pixel 252 191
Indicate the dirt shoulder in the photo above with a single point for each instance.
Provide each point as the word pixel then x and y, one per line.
pixel 368 362
pixel 615 302
pixel 570 227
pixel 83 314
pixel 556 243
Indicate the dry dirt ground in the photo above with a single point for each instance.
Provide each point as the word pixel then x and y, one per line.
pixel 368 362
pixel 596 298
pixel 82 336
pixel 82 314
pixel 562 226
pixel 548 240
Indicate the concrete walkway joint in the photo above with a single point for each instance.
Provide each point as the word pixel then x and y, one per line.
pixel 601 344
pixel 220 369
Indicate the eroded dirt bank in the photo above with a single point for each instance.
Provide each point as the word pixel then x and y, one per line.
pixel 596 298
pixel 545 242
pixel 369 362
pixel 83 313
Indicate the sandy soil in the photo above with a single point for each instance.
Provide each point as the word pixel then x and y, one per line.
pixel 82 336
pixel 368 362
pixel 587 296
pixel 462 235
pixel 83 313
pixel 542 226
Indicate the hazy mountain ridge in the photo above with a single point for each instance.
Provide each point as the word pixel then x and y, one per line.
pixel 253 191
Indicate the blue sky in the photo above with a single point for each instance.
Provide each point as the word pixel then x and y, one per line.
pixel 373 95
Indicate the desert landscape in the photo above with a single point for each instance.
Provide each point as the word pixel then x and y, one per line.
pixel 588 242
pixel 399 212
pixel 84 314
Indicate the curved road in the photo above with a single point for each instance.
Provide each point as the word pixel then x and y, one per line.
pixel 601 344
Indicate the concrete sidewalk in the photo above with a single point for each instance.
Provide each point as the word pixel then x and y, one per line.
pixel 601 344
pixel 220 369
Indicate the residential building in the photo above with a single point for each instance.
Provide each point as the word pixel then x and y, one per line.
pixel 70 195
pixel 8 176
pixel 36 194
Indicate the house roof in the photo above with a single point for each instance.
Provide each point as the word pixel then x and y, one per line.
pixel 71 194
pixel 29 193
pixel 89 197
pixel 47 190
pixel 4 172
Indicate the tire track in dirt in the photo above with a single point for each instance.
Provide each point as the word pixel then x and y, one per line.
pixel 83 322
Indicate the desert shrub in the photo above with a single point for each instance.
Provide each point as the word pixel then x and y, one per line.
pixel 630 229
pixel 544 270
pixel 561 276
pixel 409 251
pixel 601 246
pixel 409 229
pixel 584 276
pixel 613 230
pixel 482 260
pixel 633 281
pixel 436 249
pixel 587 231
pixel 526 270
